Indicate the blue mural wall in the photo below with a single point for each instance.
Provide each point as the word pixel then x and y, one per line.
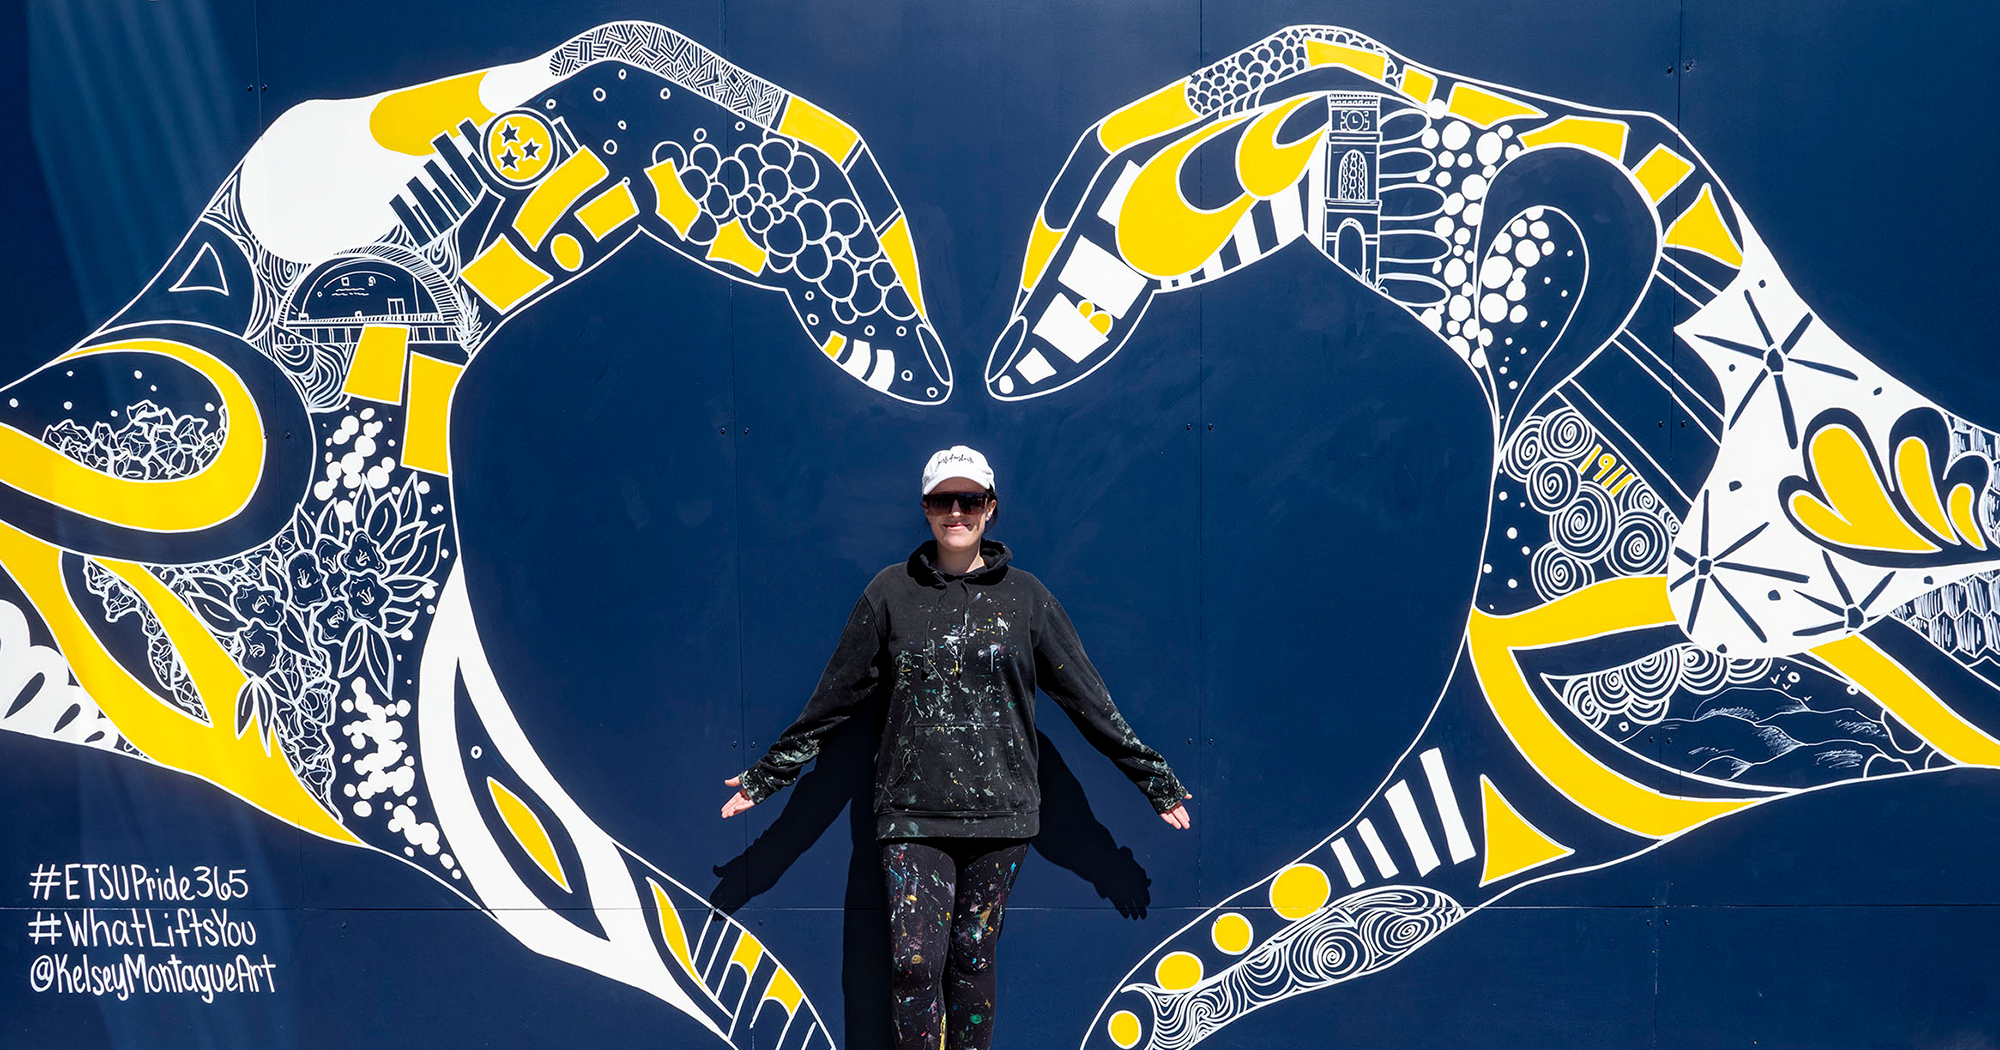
pixel 443 442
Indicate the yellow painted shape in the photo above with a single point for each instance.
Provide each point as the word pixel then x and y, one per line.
pixel 1961 515
pixel 671 929
pixel 406 121
pixel 427 434
pixel 1265 168
pixel 810 124
pixel 1661 171
pixel 1367 63
pixel 1484 108
pixel 249 766
pixel 1300 890
pixel 528 831
pixel 1418 84
pixel 1700 229
pixel 784 991
pixel 1123 1028
pixel 1231 933
pixel 903 256
pixel 1624 604
pixel 1512 844
pixel 1860 514
pixel 1156 114
pixel 503 276
pixel 1919 488
pixel 1602 136
pixel 552 198
pixel 735 247
pixel 608 210
pixel 1897 689
pixel 1178 971
pixel 377 370
pixel 834 342
pixel 746 953
pixel 197 501
pixel 671 201
pixel 1159 233
pixel 567 252
pixel 1042 243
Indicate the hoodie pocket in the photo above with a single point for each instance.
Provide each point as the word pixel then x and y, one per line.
pixel 958 769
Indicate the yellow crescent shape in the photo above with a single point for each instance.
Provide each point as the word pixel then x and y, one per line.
pixel 1266 168
pixel 1159 233
pixel 201 500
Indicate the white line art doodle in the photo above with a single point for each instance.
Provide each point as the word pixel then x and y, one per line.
pixel 1805 602
pixel 236 536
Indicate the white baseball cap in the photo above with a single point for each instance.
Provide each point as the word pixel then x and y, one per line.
pixel 957 461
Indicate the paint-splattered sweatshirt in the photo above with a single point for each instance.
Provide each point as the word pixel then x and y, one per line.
pixel 958 658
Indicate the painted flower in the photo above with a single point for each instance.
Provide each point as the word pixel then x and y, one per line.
pixel 365 597
pixel 259 649
pixel 260 604
pixel 363 554
pixel 332 623
pixel 307 578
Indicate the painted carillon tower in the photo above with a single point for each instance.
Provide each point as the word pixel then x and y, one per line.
pixel 1353 208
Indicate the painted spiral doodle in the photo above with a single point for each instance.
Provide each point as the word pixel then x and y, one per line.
pixel 1640 541
pixel 1556 572
pixel 1640 692
pixel 1583 525
pixel 1354 936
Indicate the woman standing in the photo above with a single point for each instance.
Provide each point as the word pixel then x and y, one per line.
pixel 960 640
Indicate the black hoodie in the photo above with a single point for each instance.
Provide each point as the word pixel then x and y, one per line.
pixel 961 657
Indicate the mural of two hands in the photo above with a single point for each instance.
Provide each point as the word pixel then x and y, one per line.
pixel 1795 605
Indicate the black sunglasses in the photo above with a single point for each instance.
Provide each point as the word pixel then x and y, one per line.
pixel 941 502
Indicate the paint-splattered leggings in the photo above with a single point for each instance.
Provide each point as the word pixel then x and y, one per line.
pixel 946 899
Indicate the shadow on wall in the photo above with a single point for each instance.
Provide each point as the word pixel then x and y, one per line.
pixel 842 779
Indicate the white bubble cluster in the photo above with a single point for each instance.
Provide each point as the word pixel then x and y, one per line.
pixel 351 470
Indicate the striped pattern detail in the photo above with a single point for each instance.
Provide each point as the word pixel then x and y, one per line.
pixel 1423 829
pixel 445 190
pixel 1268 226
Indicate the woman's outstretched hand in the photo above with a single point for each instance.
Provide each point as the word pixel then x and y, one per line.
pixel 1177 816
pixel 739 802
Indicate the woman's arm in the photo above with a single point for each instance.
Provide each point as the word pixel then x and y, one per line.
pixel 850 680
pixel 1066 674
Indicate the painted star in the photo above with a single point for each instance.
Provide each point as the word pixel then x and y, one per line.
pixel 1702 572
pixel 531 150
pixel 509 159
pixel 509 132
pixel 1774 356
pixel 1849 614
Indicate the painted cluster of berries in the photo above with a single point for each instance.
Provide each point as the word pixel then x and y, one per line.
pixel 768 188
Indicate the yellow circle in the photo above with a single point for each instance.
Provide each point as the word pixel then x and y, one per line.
pixel 1231 933
pixel 1299 890
pixel 1124 1028
pixel 1177 971
pixel 568 253
pixel 519 146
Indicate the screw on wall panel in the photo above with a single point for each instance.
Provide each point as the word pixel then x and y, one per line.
pixel 1684 424
pixel 733 743
pixel 1190 426
pixel 746 430
pixel 1663 423
pixel 1688 66
pixel 1190 741
pixel 724 431
pixel 266 87
pixel 1211 426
